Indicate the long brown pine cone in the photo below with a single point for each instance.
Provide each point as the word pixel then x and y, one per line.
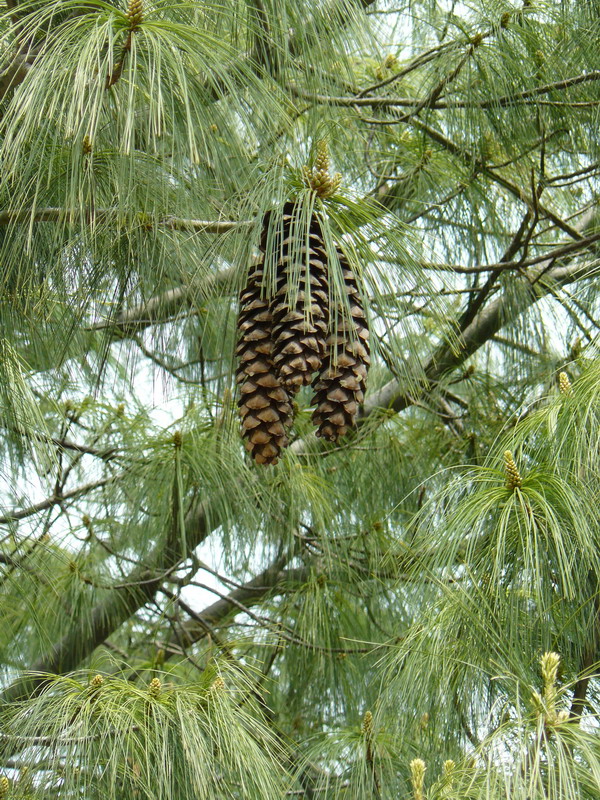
pixel 299 330
pixel 340 387
pixel 264 404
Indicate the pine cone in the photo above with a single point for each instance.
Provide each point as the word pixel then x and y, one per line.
pixel 264 404
pixel 299 331
pixel 340 388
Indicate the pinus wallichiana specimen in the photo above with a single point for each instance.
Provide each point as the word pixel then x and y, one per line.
pixel 264 403
pixel 300 305
pixel 340 387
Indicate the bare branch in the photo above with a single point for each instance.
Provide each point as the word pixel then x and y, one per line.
pixel 54 500
pixel 161 307
pixel 432 102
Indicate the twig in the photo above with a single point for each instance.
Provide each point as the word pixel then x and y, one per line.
pixel 360 100
pixel 14 515
pixel 96 215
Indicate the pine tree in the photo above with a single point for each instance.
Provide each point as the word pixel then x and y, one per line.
pixel 232 563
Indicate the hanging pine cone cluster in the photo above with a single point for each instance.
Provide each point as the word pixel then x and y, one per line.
pixel 284 340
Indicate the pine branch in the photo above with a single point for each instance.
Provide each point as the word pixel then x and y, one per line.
pixel 489 321
pixel 93 216
pixel 422 59
pixel 55 499
pixel 62 443
pixel 466 157
pixel 199 618
pixel 160 308
pixel 272 579
pixel 581 243
pixel 163 307
pixel 140 586
pixel 519 98
pixel 485 326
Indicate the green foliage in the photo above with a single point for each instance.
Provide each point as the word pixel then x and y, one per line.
pixel 113 735
pixel 411 613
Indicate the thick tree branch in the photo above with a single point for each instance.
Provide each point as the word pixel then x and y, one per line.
pixel 164 306
pixel 272 579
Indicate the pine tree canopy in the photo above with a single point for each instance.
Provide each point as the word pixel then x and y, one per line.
pixel 234 566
